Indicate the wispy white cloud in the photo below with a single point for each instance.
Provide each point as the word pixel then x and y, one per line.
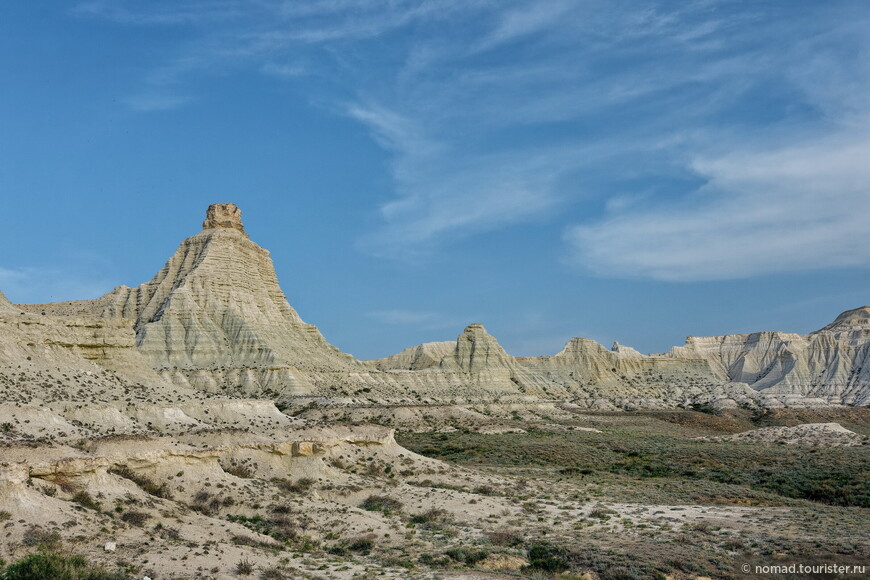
pixel 494 114
pixel 762 211
pixel 781 198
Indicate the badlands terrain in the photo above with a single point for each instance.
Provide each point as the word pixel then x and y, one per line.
pixel 196 427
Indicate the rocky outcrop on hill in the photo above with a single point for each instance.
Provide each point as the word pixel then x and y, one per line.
pixel 813 434
pixel 214 319
pixel 417 358
pixel 831 365
pixel 5 305
pixel 43 356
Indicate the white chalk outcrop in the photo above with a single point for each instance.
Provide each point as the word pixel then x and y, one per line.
pixel 831 365
pixel 214 319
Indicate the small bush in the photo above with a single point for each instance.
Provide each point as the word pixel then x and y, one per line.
pixel 135 518
pixel 244 568
pixel 468 556
pixel 281 528
pixel 380 503
pixel 549 557
pixel 85 499
pixel 485 490
pixel 301 485
pixel 705 408
pixel 36 536
pixel 362 545
pixel 239 470
pixel 57 567
pixel 505 537
pixel 146 483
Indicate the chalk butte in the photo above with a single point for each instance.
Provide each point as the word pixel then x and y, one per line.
pixel 214 319
pixel 829 365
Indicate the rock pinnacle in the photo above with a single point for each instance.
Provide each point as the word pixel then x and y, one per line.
pixel 223 215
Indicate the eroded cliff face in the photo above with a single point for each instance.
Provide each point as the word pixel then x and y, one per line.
pixel 5 305
pixel 214 317
pixel 215 320
pixel 584 372
pixel 49 358
pixel 829 365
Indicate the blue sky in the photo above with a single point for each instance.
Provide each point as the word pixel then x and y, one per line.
pixel 620 170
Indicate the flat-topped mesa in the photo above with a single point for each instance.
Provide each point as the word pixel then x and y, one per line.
pixel 224 215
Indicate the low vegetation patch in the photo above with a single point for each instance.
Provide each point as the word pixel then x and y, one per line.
pixel 301 485
pixel 135 518
pixel 832 475
pixel 57 567
pixel 85 499
pixel 146 483
pixel 279 527
pixel 381 503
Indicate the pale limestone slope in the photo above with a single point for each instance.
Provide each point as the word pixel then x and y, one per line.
pixel 214 318
pixel 831 364
pixel 38 352
pixel 5 305
pixel 416 358
pixel 584 372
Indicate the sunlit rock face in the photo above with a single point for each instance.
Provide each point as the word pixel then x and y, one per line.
pixel 830 364
pixel 215 319
pixel 223 215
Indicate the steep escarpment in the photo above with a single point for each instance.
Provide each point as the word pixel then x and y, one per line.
pixel 214 319
pixel 584 372
pixel 831 365
pixel 50 357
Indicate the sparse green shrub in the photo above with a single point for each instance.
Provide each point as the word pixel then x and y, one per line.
pixel 468 556
pixel 239 470
pixel 705 408
pixel 279 527
pixel 430 560
pixel 244 568
pixel 301 485
pixel 380 503
pixel 135 518
pixel 43 539
pixel 146 483
pixel 85 499
pixel 485 490
pixel 57 567
pixel 362 545
pixel 549 557
pixel 505 537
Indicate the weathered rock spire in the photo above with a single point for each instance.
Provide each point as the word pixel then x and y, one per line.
pixel 224 215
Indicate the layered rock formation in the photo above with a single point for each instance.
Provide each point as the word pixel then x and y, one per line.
pixel 5 305
pixel 214 319
pixel 829 365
